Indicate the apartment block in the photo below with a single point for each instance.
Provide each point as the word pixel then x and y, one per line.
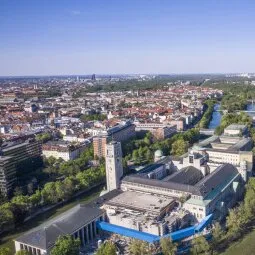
pixel 7 174
pixel 62 149
pixel 118 133
pixel 13 155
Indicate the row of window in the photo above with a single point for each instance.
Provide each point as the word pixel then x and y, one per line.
pixel 30 249
pixel 156 188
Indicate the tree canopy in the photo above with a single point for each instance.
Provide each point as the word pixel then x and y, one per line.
pixel 66 245
pixel 5 251
pixel 44 137
pixel 107 248
pixel 167 246
pixel 138 247
pixel 95 116
pixel 22 252
pixel 179 147
pixel 232 118
pixel 200 246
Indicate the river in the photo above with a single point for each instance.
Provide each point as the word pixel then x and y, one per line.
pixel 250 107
pixel 216 117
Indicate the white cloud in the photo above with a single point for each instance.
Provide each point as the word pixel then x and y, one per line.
pixel 75 12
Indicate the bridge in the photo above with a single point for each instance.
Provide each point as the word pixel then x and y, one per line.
pixel 251 111
pixel 206 131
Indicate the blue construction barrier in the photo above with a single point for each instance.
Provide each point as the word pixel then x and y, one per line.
pixel 204 223
pixel 181 234
pixel 175 236
pixel 127 232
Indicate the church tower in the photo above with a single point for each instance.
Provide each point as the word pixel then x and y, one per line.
pixel 113 163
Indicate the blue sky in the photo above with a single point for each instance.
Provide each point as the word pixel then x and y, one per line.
pixel 47 37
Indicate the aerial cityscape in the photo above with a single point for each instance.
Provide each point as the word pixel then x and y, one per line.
pixel 119 134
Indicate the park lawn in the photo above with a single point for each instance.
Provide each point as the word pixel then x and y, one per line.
pixel 7 241
pixel 245 246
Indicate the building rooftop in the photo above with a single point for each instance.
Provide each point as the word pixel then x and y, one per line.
pixel 15 144
pixel 213 180
pixel 140 201
pixel 118 127
pixel 224 143
pixel 235 127
pixel 46 234
pixel 187 175
pixel 220 188
pixel 159 184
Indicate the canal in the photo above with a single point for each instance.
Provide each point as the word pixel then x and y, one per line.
pixel 216 117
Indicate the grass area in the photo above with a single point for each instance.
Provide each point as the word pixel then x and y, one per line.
pixel 7 240
pixel 245 246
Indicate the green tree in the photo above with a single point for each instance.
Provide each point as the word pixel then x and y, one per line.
pixel 217 236
pixel 249 200
pixel 232 118
pixel 22 252
pixel 70 186
pixel 167 246
pixel 135 155
pixel 138 247
pixel 147 140
pixel 107 248
pixel 200 246
pixel 148 155
pixel 179 147
pixel 21 201
pixel 5 251
pixel 49 193
pixel 66 245
pixel 236 222
pixel 35 199
pixel 51 160
pixel 93 117
pixel 43 137
pixel 6 217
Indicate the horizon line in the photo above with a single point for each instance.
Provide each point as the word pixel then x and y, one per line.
pixel 109 74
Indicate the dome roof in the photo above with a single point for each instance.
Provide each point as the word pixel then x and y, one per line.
pixel 158 153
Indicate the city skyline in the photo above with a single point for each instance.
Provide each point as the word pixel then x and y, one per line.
pixel 151 37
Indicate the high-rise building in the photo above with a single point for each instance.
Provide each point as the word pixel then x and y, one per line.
pixel 99 145
pixel 93 77
pixel 22 151
pixel 17 159
pixel 114 168
pixel 122 132
pixel 7 174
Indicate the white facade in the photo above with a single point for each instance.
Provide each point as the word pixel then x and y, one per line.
pixel 113 162
pixel 33 250
pixel 72 138
pixel 198 211
pixel 65 155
